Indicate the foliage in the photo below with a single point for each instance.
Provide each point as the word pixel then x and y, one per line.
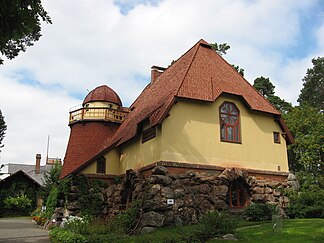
pixel 91 202
pixel 306 123
pixel 259 211
pixel 308 203
pixel 77 224
pixel 51 202
pixel 39 220
pixel 124 222
pixel 65 236
pixel 20 205
pixel 220 48
pixel 266 89
pixel 51 180
pixel 312 92
pixel 20 25
pixel 3 128
pixel 218 223
pixel 238 69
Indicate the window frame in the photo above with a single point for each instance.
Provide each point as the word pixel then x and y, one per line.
pixel 148 134
pixel 237 124
pixel 278 136
pixel 101 165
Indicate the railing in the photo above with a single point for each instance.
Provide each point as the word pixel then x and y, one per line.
pixel 102 113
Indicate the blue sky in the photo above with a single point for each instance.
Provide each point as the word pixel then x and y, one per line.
pixel 95 42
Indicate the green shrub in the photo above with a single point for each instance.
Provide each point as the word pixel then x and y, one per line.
pixel 20 205
pixel 124 222
pixel 77 225
pixel 218 223
pixel 65 236
pixel 51 202
pixel 259 211
pixel 306 204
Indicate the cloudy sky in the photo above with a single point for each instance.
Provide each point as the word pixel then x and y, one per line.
pixel 94 42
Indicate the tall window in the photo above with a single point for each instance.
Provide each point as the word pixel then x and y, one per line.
pixel 101 165
pixel 230 123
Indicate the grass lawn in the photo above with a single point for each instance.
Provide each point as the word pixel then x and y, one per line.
pixel 293 230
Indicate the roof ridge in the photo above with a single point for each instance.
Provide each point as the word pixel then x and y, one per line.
pixel 197 45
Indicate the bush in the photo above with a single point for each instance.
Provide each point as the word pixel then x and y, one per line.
pixel 20 205
pixel 77 225
pixel 260 211
pixel 125 221
pixel 65 236
pixel 306 204
pixel 218 223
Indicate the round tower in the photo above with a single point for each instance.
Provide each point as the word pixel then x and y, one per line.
pixel 92 125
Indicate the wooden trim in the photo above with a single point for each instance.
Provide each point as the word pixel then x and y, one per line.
pixel 234 126
pixel 148 134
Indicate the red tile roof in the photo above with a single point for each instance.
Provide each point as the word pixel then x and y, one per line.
pixel 103 93
pixel 199 74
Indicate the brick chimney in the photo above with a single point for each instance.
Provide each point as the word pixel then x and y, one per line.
pixel 156 72
pixel 37 166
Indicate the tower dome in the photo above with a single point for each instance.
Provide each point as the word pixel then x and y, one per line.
pixel 103 93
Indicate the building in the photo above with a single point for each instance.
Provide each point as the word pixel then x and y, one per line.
pixel 198 114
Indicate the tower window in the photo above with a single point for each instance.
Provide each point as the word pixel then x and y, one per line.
pixel 101 165
pixel 230 123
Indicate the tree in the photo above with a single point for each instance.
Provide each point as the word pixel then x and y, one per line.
pixel 307 126
pixel 312 92
pixel 222 49
pixel 266 89
pixel 3 129
pixel 51 180
pixel 20 25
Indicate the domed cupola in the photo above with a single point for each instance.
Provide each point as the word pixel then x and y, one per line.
pixel 104 94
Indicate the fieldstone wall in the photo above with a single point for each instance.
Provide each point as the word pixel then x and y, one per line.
pixel 169 199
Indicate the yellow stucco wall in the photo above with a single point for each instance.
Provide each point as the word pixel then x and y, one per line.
pixel 135 154
pixel 112 164
pixel 192 134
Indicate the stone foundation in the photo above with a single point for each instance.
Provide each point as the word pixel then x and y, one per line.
pixel 180 199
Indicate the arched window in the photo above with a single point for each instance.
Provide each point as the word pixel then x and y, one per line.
pixel 230 123
pixel 237 195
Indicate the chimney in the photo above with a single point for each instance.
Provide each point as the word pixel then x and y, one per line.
pixel 37 167
pixel 156 72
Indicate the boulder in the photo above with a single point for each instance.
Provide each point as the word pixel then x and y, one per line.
pixel 147 229
pixel 152 219
pixel 159 170
pixel 257 190
pixel 220 190
pixel 167 192
pixel 160 179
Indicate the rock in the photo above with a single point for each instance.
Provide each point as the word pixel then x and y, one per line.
pixel 160 179
pixel 291 177
pixel 204 188
pixel 220 190
pixel 72 196
pixel 220 204
pixel 229 237
pixel 159 170
pixel 276 193
pixel 74 189
pixel 294 185
pixel 147 230
pixel 178 193
pixel 269 198
pixel 258 190
pixel 258 197
pixel 167 192
pixel 268 190
pixel 59 210
pixel 191 173
pixel 152 219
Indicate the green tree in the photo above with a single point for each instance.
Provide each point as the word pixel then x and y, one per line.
pixel 312 92
pixel 267 90
pixel 20 25
pixel 220 48
pixel 307 126
pixel 3 128
pixel 51 180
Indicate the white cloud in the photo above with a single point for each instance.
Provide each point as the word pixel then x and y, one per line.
pixel 92 43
